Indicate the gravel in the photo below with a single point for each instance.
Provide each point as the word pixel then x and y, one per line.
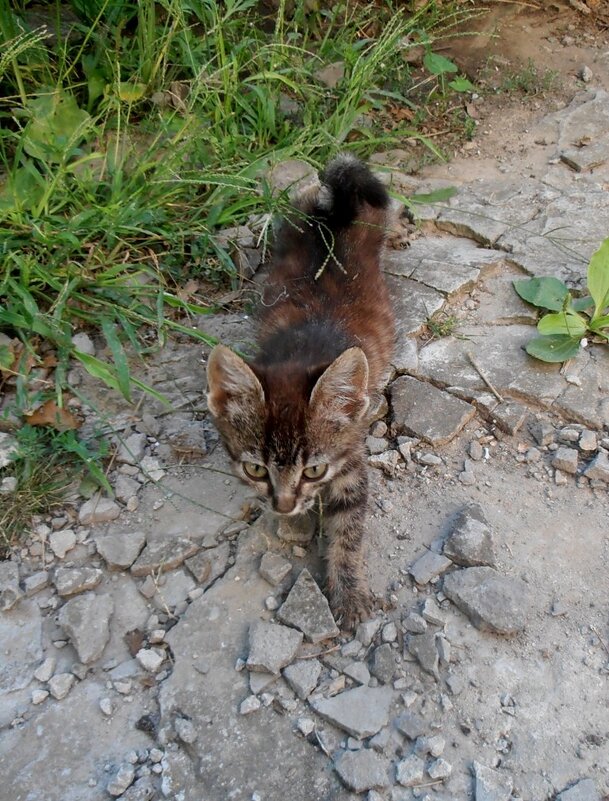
pixel 86 621
pixel 271 647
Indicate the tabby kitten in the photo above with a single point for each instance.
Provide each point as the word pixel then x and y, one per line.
pixel 294 419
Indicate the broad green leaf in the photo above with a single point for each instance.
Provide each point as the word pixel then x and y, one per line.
pixel 439 65
pixel 7 357
pixel 557 348
pixel 547 293
pixel 56 127
pixel 599 322
pixel 131 92
pixel 24 188
pixel 562 322
pixel 581 304
pixel 462 84
pixel 435 197
pixel 598 278
pixel 119 357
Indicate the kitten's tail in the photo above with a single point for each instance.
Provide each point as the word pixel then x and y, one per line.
pixel 348 186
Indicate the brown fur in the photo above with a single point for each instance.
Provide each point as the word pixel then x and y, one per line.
pixel 326 334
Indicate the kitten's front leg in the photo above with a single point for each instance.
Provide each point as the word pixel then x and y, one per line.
pixel 343 520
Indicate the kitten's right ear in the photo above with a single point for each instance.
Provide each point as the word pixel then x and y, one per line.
pixel 232 385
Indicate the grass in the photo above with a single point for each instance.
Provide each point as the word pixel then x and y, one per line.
pixel 132 132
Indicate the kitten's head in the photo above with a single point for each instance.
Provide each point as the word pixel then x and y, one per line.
pixel 289 430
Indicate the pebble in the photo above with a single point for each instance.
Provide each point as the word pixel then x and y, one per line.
pixel 61 684
pixel 565 459
pixel 533 455
pixel 429 566
pixel 274 568
pixel 358 672
pixel 411 725
pixel 598 469
pixel 132 449
pixel 491 785
pixel 410 771
pixel 46 669
pixel 471 541
pixel 8 485
pixel 62 541
pixel 585 73
pixel 105 704
pixel 387 462
pixel 467 478
pixel 543 433
pixel 423 648
pixel 121 781
pixel 98 510
pixel 307 608
pixel 150 659
pixel 367 630
pixel 475 450
pixel 361 712
pixel 185 730
pixel 376 445
pixel 302 676
pixel 491 601
pixel 439 769
pixel 86 621
pixel 120 549
pixel 379 429
pixel 71 581
pixel 583 790
pixel 409 697
pixel 389 633
pixel 36 582
pixel 430 459
pixel 38 696
pixel 10 591
pixel 151 468
pixel 305 726
pixel 414 623
pixel 271 647
pixel 432 613
pixel 249 705
pixel 361 770
pixel 588 441
pixel 383 663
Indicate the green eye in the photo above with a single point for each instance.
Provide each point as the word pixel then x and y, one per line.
pixel 315 471
pixel 255 471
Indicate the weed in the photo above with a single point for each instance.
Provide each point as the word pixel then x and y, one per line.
pixel 441 324
pixel 530 80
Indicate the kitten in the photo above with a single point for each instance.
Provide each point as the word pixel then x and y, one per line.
pixel 294 420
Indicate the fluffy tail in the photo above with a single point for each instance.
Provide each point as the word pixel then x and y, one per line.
pixel 348 184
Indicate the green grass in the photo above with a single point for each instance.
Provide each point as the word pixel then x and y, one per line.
pixel 131 132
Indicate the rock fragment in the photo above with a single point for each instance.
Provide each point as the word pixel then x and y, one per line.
pixel 565 459
pixel 163 556
pixel 274 568
pixel 86 622
pixel 491 785
pixel 120 549
pixel 61 684
pixel 38 696
pixel 410 771
pixel 131 450
pixel 45 671
pixel 306 608
pixel 272 647
pixel 36 582
pixel 387 462
pixel 71 581
pixel 361 770
pixel 150 659
pixel 583 790
pixel 383 663
pixel 439 769
pixel 98 510
pixel 598 468
pixel 491 601
pixel 423 648
pixel 62 541
pixel 367 630
pixel 422 410
pixel 249 705
pixel 358 672
pixel 411 725
pixel 429 566
pixel 361 712
pixel 122 779
pixel 302 676
pixel 185 730
pixel 471 542
pixel 10 591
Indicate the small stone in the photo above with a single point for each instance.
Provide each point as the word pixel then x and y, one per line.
pixel 307 608
pixel 389 633
pixel 585 73
pixel 533 455
pixel 428 567
pixel 475 450
pixel 467 478
pixel 410 771
pixel 120 549
pixel 260 681
pixel 583 790
pixel 61 684
pixel 8 485
pixel 598 469
pixel 45 671
pixel 367 630
pixel 132 449
pixel 492 602
pixel 83 343
pixel 379 429
pixel 38 696
pixel 122 780
pixel 98 510
pixel 491 785
pixel 274 568
pixel 271 647
pixel 305 726
pixel 565 459
pixel 185 730
pixel 361 712
pixel 560 478
pixel 432 613
pixel 405 449
pixel 588 441
pixel 148 587
pixel 271 603
pixel 62 541
pixel 409 697
pixel 302 676
pixel 151 468
pixel 162 556
pixel 387 462
pixel 10 591
pixel 411 725
pixel 443 646
pixel 126 489
pixel 358 672
pixel 415 624
pixel 543 433
pixel 251 704
pixel 71 581
pixel 383 664
pixel 105 704
pixel 361 770
pixel 423 648
pixel 150 659
pixel 86 622
pixel 471 542
pixel 36 582
pixel 455 684
pixel 376 445
pixel 430 459
pixel 422 410
pixel 439 769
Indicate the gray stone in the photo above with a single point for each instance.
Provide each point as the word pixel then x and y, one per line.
pixel 471 542
pixel 432 613
pixel 61 684
pixel 358 672
pixel 98 510
pixel 411 725
pixel 491 601
pixel 10 591
pixel 46 670
pixel 274 568
pixel 62 541
pixel 121 780
pixel 150 659
pixel 423 648
pixel 291 174
pixel 362 770
pixel 36 582
pixel 173 589
pixel 565 459
pixel 126 488
pixel 120 549
pixel 598 468
pixel 159 557
pixel 387 462
pixel 86 621
pixel 588 441
pixel 422 410
pixel 439 769
pixel 299 530
pixel 468 478
pixel 38 696
pixel 410 771
pixel 271 647
pixel 491 785
pixel 475 450
pixel 406 356
pixel 543 433
pixel 332 74
pixel 459 278
pixel 249 705
pixel 142 790
pixel 414 303
pixel 83 343
pixel 367 630
pixel 260 681
pixel 8 485
pixel 185 730
pixel 132 449
pixel 302 676
pixel 383 663
pixel 306 608
pixel 583 790
pixel 376 445
pixel 71 581
pixel 390 632
pixel 361 712
pixel 415 623
pixel 208 565
pixel 508 417
pixel 8 447
pixel 21 638
pixel 428 567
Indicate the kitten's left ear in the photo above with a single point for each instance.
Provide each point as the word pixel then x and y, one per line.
pixel 341 392
pixel 232 386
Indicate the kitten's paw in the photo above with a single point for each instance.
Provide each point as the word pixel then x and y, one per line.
pixel 352 609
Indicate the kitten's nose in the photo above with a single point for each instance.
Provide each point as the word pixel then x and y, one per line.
pixel 284 504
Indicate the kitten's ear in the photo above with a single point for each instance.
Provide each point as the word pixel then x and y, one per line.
pixel 232 385
pixel 341 392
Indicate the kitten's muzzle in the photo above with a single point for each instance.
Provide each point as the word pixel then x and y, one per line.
pixel 284 505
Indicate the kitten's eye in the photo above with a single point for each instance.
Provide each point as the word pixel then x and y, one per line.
pixel 255 471
pixel 315 471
